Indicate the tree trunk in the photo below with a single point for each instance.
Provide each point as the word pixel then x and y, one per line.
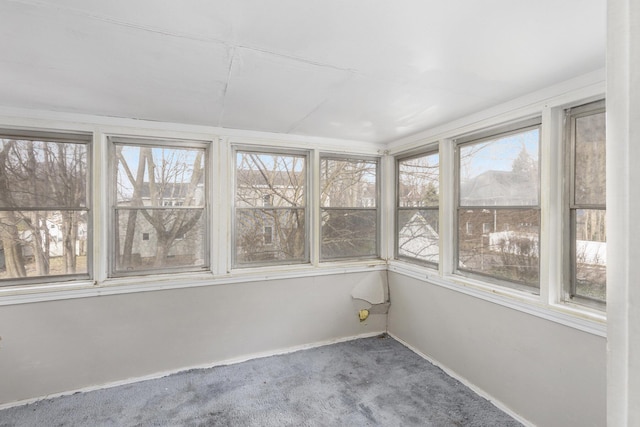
pixel 70 230
pixel 162 250
pixel 136 200
pixel 38 224
pixel 14 262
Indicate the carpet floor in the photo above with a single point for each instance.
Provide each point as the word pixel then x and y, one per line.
pixel 364 382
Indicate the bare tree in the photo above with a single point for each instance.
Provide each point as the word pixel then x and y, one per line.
pixel 162 175
pixel 270 194
pixel 125 256
pixel 589 205
pixel 418 200
pixel 169 225
pixel 37 176
pixel 14 262
pixel 69 166
pixel 348 199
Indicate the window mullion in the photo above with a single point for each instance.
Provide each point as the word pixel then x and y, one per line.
pixel 448 213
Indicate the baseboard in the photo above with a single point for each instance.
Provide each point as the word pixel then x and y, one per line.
pixel 162 374
pixel 495 402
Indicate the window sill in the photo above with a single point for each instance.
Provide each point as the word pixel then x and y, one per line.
pixel 584 319
pixel 133 284
pixel 45 292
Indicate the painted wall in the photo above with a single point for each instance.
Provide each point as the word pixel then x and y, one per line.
pixel 547 373
pixel 623 204
pixel 57 346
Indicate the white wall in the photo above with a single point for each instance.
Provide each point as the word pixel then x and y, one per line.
pixel 623 204
pixel 60 346
pixel 547 373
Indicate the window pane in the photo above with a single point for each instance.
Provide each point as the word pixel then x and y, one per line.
pixel 43 208
pixel 348 183
pixel 418 181
pixel 159 238
pixel 287 241
pixel 42 243
pixel 264 180
pixel 348 233
pixel 590 254
pixel 500 172
pixel 418 234
pixel 586 202
pixel 159 176
pixel 41 174
pixel 171 232
pixel 590 160
pixel 270 214
pixel 501 243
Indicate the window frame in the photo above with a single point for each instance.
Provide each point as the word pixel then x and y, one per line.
pixel 355 158
pixel 397 208
pixel 570 206
pixel 268 235
pixel 160 142
pixel 478 137
pixel 65 138
pixel 270 150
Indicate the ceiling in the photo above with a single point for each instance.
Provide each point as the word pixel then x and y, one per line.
pixel 363 70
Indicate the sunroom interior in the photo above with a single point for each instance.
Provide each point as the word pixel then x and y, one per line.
pixel 246 179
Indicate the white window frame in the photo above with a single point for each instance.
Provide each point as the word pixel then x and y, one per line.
pixel 60 137
pixel 479 137
pixel 355 158
pixel 112 271
pixel 269 150
pixel 550 302
pixel 409 156
pixel 569 278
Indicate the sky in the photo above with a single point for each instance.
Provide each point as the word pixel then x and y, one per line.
pixel 498 154
pixel 131 154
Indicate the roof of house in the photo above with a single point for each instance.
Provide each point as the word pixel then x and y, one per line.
pixel 493 188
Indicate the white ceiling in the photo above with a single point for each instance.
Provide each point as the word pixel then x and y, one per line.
pixel 354 69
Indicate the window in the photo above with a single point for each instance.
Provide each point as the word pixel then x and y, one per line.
pixel 44 207
pixel 586 205
pixel 268 235
pixel 282 177
pixel 159 206
pixel 417 224
pixel 498 184
pixel 348 203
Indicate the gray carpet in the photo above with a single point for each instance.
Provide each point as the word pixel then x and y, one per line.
pixel 365 382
